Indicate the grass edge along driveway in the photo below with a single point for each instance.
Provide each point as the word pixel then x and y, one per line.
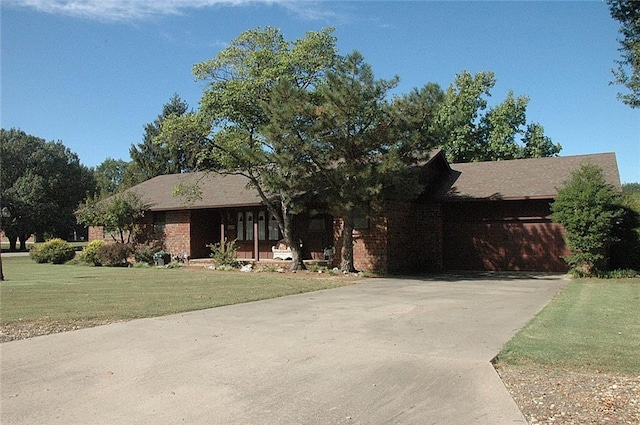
pixel 44 293
pixel 592 325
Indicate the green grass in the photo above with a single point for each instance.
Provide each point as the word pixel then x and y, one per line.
pixel 592 325
pixel 58 293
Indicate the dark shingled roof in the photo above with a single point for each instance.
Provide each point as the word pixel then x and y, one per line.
pixel 515 179
pixel 217 191
pixel 521 178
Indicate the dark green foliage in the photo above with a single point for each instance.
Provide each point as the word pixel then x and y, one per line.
pixel 41 185
pixel 631 188
pixel 114 254
pixel 145 253
pixel 590 210
pixel 618 274
pixel 354 151
pixel 414 114
pixel 90 252
pixel 56 251
pixel 166 152
pixel 627 12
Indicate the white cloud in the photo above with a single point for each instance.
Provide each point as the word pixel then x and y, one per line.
pixel 135 10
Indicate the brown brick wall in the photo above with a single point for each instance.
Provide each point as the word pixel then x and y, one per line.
pixel 95 233
pixel 406 238
pixel 177 232
pixel 370 245
pixel 370 251
pixel 145 228
pixel 415 237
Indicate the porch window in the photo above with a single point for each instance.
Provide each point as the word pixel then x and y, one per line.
pixel 261 226
pixel 240 228
pixel 245 223
pixel 249 225
pixel 274 231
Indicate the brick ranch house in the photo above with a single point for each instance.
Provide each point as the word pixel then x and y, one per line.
pixel 473 216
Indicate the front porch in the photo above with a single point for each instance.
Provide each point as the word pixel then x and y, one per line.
pixel 253 230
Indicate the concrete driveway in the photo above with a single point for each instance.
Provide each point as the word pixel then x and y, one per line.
pixel 384 351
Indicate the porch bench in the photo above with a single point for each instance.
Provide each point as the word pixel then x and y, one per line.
pixel 281 252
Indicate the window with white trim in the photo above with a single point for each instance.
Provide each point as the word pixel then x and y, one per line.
pixel 274 230
pixel 261 225
pixel 240 227
pixel 249 225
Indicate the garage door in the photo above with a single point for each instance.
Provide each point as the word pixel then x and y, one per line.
pixel 502 236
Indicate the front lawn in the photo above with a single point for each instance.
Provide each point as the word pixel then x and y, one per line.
pixel 45 293
pixel 593 325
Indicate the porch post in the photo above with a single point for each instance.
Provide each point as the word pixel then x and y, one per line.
pixel 256 236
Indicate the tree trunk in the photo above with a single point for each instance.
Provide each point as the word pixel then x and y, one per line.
pixel 12 242
pixel 23 242
pixel 292 240
pixel 347 243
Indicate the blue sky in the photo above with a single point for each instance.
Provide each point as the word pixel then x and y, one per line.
pixel 92 73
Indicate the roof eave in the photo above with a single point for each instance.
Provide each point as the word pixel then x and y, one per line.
pixel 497 198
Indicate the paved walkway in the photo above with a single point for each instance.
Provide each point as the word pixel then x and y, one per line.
pixel 385 351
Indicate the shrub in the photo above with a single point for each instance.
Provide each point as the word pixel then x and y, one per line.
pixel 225 254
pixel 89 253
pixel 175 265
pixel 589 209
pixel 145 253
pixel 56 251
pixel 114 254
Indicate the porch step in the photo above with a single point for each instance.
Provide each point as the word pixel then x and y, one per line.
pixel 203 262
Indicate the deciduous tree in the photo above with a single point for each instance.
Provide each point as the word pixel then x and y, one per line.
pixel 111 176
pixel 117 214
pixel 42 184
pixel 627 12
pixel 468 131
